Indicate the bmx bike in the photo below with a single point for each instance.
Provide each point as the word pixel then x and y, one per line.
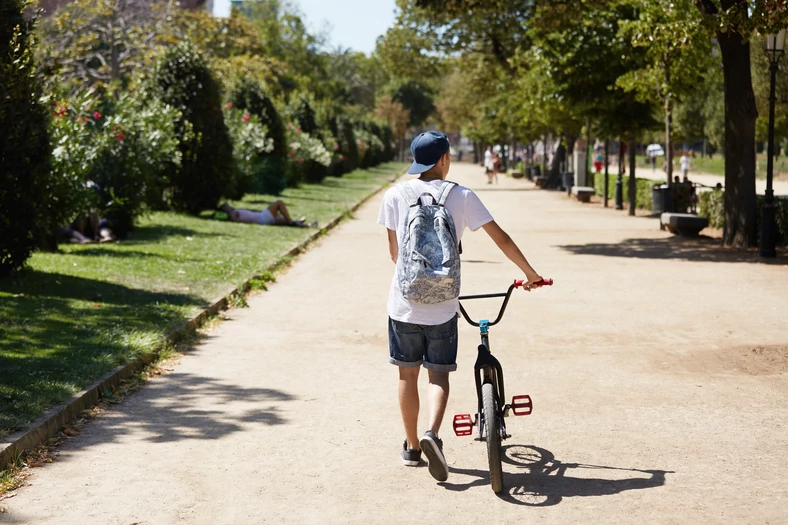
pixel 490 393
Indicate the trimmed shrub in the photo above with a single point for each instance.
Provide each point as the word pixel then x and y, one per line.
pixel 185 82
pixel 643 197
pixel 711 204
pixel 250 96
pixel 348 145
pixel 643 188
pixel 305 121
pixel 305 117
pixel 29 193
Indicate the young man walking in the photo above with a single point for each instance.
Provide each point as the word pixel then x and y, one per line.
pixel 422 322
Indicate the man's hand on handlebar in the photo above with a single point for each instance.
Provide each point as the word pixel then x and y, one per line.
pixel 534 281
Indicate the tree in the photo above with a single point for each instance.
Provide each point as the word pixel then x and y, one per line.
pixel 417 98
pixel 585 54
pixel 29 192
pixel 395 115
pixel 100 42
pixel 735 21
pixel 677 51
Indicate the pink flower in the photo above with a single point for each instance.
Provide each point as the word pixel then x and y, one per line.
pixel 246 117
pixel 298 130
pixel 341 157
pixel 60 111
pixel 336 148
pixel 96 115
pixel 228 105
pixel 120 136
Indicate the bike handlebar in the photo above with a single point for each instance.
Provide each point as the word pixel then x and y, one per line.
pixel 505 295
pixel 544 282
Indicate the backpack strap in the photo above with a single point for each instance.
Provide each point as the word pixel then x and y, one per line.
pixel 410 196
pixel 445 190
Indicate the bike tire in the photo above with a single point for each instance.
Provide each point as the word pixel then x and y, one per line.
pixel 493 437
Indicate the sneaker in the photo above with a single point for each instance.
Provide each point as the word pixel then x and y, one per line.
pixel 410 457
pixel 298 222
pixel 433 449
pixel 313 225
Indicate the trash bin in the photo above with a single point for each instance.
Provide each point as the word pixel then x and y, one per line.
pixel 569 181
pixel 661 199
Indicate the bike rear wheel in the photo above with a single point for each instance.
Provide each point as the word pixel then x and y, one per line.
pixel 490 413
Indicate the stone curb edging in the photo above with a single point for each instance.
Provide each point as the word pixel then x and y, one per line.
pixel 50 423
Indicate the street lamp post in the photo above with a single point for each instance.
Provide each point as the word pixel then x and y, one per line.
pixel 775 46
pixel 620 180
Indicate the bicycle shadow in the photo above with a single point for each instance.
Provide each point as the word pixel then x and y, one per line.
pixel 542 481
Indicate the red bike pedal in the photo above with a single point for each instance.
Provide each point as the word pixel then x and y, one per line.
pixel 463 425
pixel 522 405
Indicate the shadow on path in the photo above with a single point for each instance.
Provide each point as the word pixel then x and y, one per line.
pixel 704 249
pixel 184 406
pixel 541 480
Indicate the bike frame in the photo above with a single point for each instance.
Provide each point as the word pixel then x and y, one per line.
pixel 487 367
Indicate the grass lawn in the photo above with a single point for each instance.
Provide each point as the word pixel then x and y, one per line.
pixel 716 165
pixel 69 317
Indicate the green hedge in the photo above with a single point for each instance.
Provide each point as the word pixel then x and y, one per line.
pixel 711 204
pixel 643 192
pixel 29 193
pixel 643 197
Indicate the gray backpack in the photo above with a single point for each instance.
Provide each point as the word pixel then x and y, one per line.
pixel 428 265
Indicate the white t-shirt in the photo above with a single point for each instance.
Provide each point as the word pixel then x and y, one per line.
pixel 487 160
pixel 685 163
pixel 467 211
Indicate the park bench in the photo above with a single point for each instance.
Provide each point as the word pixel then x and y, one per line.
pixel 685 224
pixel 583 193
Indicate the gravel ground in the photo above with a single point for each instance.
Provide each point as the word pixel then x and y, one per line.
pixel 657 367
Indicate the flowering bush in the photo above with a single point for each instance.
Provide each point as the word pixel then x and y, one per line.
pixel 307 155
pixel 116 154
pixel 249 95
pixel 251 146
pixel 370 148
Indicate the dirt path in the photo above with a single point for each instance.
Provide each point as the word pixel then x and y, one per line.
pixel 658 381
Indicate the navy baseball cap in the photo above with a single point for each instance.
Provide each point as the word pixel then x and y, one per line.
pixel 427 150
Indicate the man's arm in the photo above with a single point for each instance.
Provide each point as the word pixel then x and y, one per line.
pixel 510 249
pixel 393 245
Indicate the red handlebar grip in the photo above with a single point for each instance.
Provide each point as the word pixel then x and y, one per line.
pixel 544 282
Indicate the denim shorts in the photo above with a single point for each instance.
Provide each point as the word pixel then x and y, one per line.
pixel 410 345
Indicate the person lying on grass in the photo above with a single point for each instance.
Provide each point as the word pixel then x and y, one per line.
pixel 275 215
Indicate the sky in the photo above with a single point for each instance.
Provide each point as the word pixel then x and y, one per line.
pixel 354 24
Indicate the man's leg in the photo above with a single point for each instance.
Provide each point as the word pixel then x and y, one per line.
pixel 279 207
pixel 409 404
pixel 438 395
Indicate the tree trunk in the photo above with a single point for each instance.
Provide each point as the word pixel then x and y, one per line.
pixel 740 115
pixel 632 165
pixel 668 122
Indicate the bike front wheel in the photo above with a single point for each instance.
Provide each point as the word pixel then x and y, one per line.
pixel 490 409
